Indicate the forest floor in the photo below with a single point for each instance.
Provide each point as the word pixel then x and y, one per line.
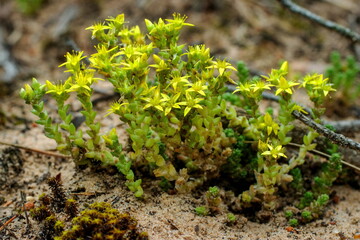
pixel 260 33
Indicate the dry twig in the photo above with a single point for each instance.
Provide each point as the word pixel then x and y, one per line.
pixel 8 222
pixel 345 126
pixel 332 136
pixel 319 20
pixel 35 150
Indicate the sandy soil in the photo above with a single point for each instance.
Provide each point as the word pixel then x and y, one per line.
pixel 260 33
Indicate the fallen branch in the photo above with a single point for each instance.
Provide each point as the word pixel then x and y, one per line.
pixel 319 20
pixel 344 125
pixel 332 136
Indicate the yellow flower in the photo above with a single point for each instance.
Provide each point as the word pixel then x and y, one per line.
pixel 276 152
pixel 298 108
pixel 177 79
pixel 83 81
pixel 178 21
pixel 171 103
pixel 192 103
pixel 130 51
pixel 156 100
pixel 276 74
pixel 198 87
pixel 160 64
pixel 118 21
pixel 98 28
pixel 243 88
pixel 285 86
pixel 260 86
pixel 325 89
pixel 314 79
pixel 221 65
pixel 115 107
pixel 73 61
pixel 269 124
pixel 57 89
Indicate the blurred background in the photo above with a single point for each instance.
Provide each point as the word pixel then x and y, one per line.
pixel 36 34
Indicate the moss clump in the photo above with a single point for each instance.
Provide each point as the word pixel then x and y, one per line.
pixel 59 218
pixel 101 221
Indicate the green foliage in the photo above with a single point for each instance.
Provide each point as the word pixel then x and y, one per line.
pixel 315 208
pixel 314 201
pixel 329 173
pixel 242 162
pixel 306 200
pixel 344 74
pixel 213 201
pixel 271 134
pixel 180 127
pixel 29 7
pixel 231 218
pixel 297 182
pixel 170 96
pixel 242 71
pixel 289 214
pixel 101 221
pixel 202 211
pixel 293 222
pixel 271 168
pixel 232 98
pixel 306 215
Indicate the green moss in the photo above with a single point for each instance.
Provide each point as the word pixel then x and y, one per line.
pixel 293 222
pixel 98 221
pixel 101 221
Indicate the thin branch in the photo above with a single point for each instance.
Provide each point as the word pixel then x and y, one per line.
pixel 8 222
pixel 332 136
pixel 319 20
pixel 35 150
pixel 325 155
pixel 317 152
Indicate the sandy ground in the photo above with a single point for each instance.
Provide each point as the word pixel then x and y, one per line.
pixel 257 32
